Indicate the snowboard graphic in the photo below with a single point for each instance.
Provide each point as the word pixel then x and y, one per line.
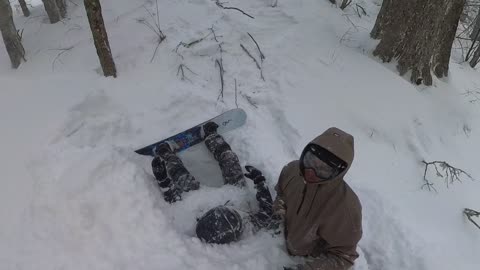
pixel 226 121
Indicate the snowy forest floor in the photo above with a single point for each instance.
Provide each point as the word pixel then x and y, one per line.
pixel 74 195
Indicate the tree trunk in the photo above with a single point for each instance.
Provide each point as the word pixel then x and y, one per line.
pixel 24 7
pixel 476 27
pixel 52 10
pixel 419 34
pixel 94 14
pixel 10 35
pixel 62 7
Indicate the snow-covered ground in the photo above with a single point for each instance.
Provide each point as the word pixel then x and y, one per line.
pixel 74 195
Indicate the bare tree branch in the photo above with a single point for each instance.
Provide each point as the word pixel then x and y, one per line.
pixel 262 56
pixel 359 7
pixel 219 63
pixel 214 34
pixel 470 214
pixel 450 174
pixel 255 60
pixel 345 4
pixel 155 28
pixel 181 71
pixel 233 8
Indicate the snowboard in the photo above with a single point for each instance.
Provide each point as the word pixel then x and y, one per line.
pixel 226 121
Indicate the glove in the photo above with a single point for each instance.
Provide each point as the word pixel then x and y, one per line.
pixel 254 174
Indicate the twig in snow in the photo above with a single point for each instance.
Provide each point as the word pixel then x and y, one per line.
pixel 181 71
pixel 62 51
pixel 274 3
pixel 250 100
pixel 345 4
pixel 472 213
pixel 155 28
pixel 236 103
pixel 255 60
pixel 262 56
pixel 450 174
pixel 233 8
pixel 214 34
pixel 364 12
pixel 219 63
pixel 190 44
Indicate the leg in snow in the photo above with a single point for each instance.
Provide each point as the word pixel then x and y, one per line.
pixel 180 176
pixel 227 159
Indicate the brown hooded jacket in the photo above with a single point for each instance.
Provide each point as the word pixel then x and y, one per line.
pixel 322 220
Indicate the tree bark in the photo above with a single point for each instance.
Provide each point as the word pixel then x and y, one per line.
pixel 24 7
pixel 52 10
pixel 10 35
pixel 100 37
pixel 62 8
pixel 419 34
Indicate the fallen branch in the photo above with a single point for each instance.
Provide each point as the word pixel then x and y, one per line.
pixel 219 63
pixel 345 4
pixel 254 60
pixel 472 213
pixel 450 174
pixel 262 56
pixel 233 8
pixel 364 12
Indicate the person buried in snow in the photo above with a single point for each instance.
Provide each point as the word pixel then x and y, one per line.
pixel 321 214
pixel 222 224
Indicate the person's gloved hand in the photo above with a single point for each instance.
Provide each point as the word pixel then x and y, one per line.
pixel 254 174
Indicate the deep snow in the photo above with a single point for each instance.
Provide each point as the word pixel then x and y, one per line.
pixel 75 196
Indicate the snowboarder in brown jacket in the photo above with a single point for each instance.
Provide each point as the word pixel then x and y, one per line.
pixel 322 215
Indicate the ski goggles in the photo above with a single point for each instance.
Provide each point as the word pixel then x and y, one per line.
pixel 324 164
